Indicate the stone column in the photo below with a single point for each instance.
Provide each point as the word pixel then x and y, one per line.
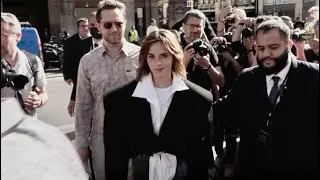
pixel 67 18
pixel 260 6
pixel 54 10
pixel 177 10
pixel 298 9
pixel 154 11
pixel 217 10
pixel 130 8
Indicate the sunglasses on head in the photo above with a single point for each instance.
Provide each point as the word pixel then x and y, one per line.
pixel 108 25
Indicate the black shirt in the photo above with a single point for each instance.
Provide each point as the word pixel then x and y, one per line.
pixel 311 55
pixel 239 48
pixel 196 74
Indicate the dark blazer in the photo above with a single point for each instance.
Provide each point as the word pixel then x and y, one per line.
pixel 128 130
pixel 294 149
pixel 74 49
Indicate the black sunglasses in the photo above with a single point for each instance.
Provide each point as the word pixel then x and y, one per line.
pixel 108 25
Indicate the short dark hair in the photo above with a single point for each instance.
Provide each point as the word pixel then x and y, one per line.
pixel 80 20
pixel 194 13
pixel 109 5
pixel 268 25
pixel 263 18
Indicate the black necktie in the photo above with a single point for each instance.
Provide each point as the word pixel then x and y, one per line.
pixel 96 45
pixel 274 91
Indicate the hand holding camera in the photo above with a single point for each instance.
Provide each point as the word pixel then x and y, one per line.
pixel 33 100
pixel 247 22
pixel 199 51
pixel 314 44
pixel 189 53
pixel 248 43
pixel 301 35
pixel 218 41
pixel 202 61
pixel 233 19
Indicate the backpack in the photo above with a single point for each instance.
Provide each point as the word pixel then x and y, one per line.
pixel 32 60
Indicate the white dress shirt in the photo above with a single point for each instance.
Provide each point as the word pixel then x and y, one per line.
pixel 94 41
pixel 282 75
pixel 145 89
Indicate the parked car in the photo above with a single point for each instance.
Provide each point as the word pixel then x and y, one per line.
pixel 30 40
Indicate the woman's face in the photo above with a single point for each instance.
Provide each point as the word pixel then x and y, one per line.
pixel 159 60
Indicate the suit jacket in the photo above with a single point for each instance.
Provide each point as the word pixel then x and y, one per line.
pixel 74 49
pixel 128 130
pixel 294 149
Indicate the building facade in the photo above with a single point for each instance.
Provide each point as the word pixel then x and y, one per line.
pixel 292 8
pixel 63 14
pixel 59 15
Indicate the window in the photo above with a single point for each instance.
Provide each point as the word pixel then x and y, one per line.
pixel 271 2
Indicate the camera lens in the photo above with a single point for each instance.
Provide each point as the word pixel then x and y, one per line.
pixel 247 32
pixel 203 50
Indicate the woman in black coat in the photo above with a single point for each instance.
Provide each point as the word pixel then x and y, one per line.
pixel 157 125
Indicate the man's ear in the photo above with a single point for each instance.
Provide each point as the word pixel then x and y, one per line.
pixel 290 43
pixel 19 35
pixel 184 27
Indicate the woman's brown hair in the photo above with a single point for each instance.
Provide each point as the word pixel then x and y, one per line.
pixel 171 43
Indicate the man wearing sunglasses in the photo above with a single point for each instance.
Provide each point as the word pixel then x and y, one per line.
pixel 105 67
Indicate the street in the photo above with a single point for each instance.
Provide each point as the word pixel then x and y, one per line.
pixel 55 111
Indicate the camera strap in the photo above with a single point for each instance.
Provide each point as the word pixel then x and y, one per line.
pixel 32 60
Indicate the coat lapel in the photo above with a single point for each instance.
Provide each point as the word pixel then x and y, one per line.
pixel 290 86
pixel 262 85
pixel 142 113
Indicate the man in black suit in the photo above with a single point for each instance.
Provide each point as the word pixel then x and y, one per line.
pixel 72 54
pixel 74 48
pixel 275 106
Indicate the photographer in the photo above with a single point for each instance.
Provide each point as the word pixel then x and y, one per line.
pixel 34 93
pixel 307 46
pixel 202 70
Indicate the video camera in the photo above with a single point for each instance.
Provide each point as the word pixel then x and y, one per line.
pixel 9 78
pixel 302 35
pixel 199 47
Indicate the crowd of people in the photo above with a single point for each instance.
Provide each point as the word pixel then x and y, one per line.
pixel 154 108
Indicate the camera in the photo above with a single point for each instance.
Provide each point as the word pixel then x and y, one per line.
pixel 302 35
pixel 224 47
pixel 299 25
pixel 10 79
pixel 230 21
pixel 247 32
pixel 199 47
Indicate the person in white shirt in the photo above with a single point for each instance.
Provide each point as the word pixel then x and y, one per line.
pixel 152 27
pixel 21 63
pixel 158 124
